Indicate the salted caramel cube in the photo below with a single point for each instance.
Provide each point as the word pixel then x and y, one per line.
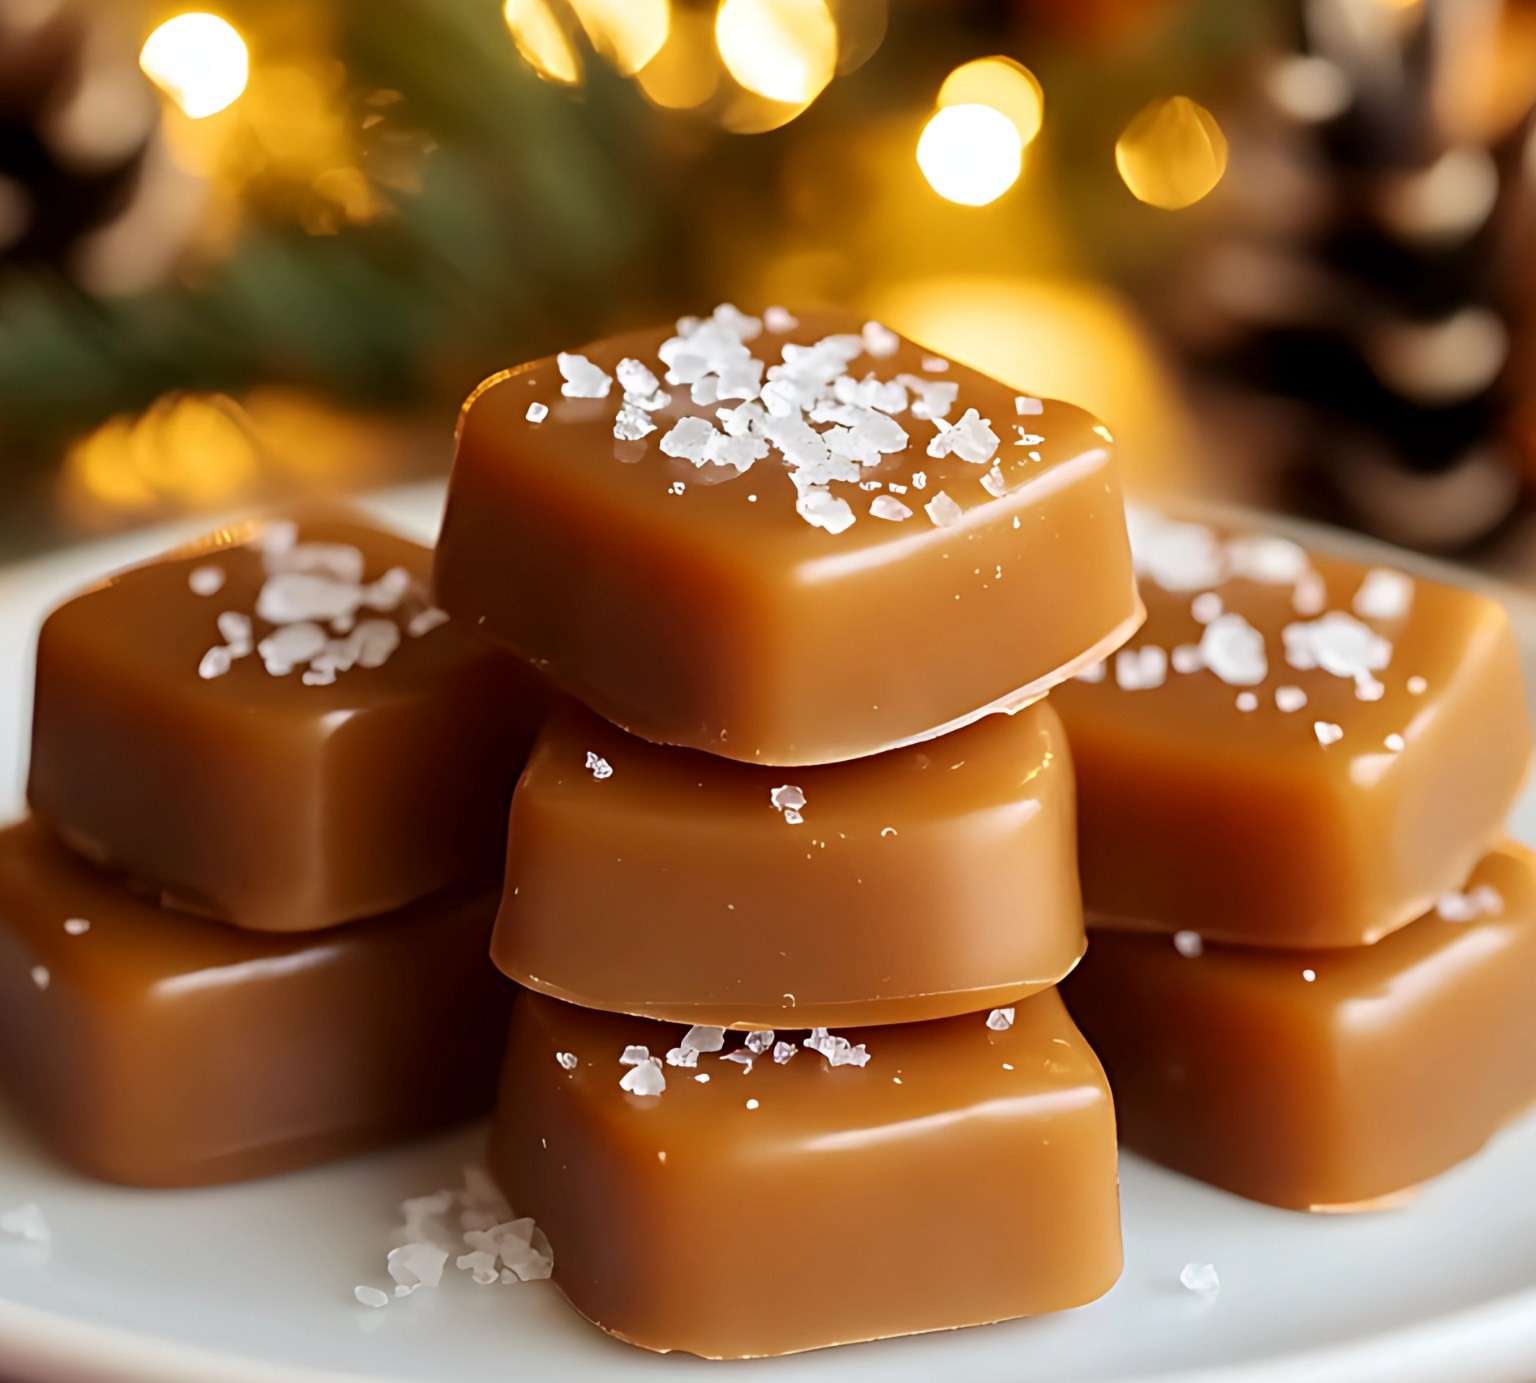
pixel 927 881
pixel 274 727
pixel 153 1048
pixel 1296 750
pixel 784 545
pixel 1323 1079
pixel 762 1202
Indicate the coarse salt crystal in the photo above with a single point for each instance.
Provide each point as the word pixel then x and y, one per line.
pixel 702 1078
pixel 480 1264
pixel 41 976
pixel 598 766
pixel 237 631
pixel 1482 901
pixel 215 663
pixel 1177 556
pixel 1205 606
pixel 1000 1019
pixel 537 412
pixel 1141 669
pixel 779 320
pixel 583 379
pixel 1290 699
pixel 1188 944
pixel 1417 686
pixel 1247 701
pixel 1200 1278
pixel 425 621
pixel 1309 975
pixel 919 480
pixel 688 439
pixel 1026 406
pixel 636 377
pixel 821 509
pixel 634 1054
pixel 880 341
pixel 646 1079
pixel 752 1104
pixel 1337 643
pixel 417 1264
pixel 971 439
pixel 1384 594
pixel 703 1038
pixel 790 800
pixel 1395 742
pixel 1267 559
pixel 993 483
pixel 889 508
pixel 370 1296
pixel 941 509
pixel 935 364
pixel 1186 658
pixel 759 1040
pixel 1310 595
pixel 782 1051
pixel 682 1056
pixel 567 1060
pixel 206 580
pixel 1327 732
pixel 76 926
pixel 1234 650
pixel 632 423
pixel 742 1057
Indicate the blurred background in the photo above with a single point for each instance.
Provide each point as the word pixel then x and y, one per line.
pixel 1284 247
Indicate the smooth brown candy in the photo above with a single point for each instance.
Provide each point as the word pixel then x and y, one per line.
pixel 157 1049
pixel 696 604
pixel 1273 803
pixel 964 1174
pixel 1324 1079
pixel 927 881
pixel 267 797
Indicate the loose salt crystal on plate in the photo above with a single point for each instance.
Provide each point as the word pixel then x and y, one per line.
pixel 1200 1278
pixel 1417 686
pixel 1026 406
pixel 25 1222
pixel 537 412
pixel 598 766
pixel 41 976
pixel 782 1051
pixel 1290 699
pixel 1141 669
pixel 1384 594
pixel 583 379
pixel 1327 732
pixel 779 320
pixel 1000 1019
pixel 567 1060
pixel 1205 606
pixel 215 663
pixel 371 1296
pixel 632 423
pixel 789 800
pixel 206 580
pixel 1395 743
pixel 645 1079
pixel 703 1038
pixel 633 1055
pixel 1247 701
pixel 76 926
pixel 1188 944
pixel 888 508
pixel 1234 650
pixel 941 509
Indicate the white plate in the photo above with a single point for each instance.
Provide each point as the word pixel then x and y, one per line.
pixel 255 1282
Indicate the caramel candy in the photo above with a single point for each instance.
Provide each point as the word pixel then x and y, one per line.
pixel 932 880
pixel 1295 750
pixel 1324 1079
pixel 784 561
pixel 279 733
pixel 157 1049
pixel 965 1173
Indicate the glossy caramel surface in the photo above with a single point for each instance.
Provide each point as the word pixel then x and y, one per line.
pixel 1243 825
pixel 158 1049
pixel 257 798
pixel 923 882
pixel 963 1175
pixel 694 606
pixel 1320 1079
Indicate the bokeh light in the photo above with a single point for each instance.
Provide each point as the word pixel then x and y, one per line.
pixel 970 154
pixel 542 40
pixel 629 33
pixel 686 72
pixel 1172 153
pixel 199 61
pixel 1001 83
pixel 784 50
pixel 861 26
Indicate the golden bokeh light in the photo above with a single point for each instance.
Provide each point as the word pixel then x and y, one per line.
pixel 1001 83
pixel 686 72
pixel 1172 153
pixel 629 33
pixel 543 40
pixel 199 61
pixel 784 50
pixel 861 26
pixel 970 154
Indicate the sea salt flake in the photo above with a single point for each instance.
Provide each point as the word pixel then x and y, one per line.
pixel 206 580
pixel 1310 596
pixel 935 364
pixel 636 377
pixel 537 412
pixel 583 379
pixel 1481 901
pixel 880 341
pixel 76 926
pixel 821 509
pixel 632 423
pixel 1289 699
pixel 790 800
pixel 1384 594
pixel 1186 658
pixel 1000 1019
pixel 702 1078
pixel 1205 607
pixel 1234 650
pixel 646 1079
pixel 215 663
pixel 417 1264
pixel 994 484
pixel 941 509
pixel 682 1056
pixel 567 1060
pixel 778 320
pixel 1327 732
pixel 971 439
pixel 1267 559
pixel 1026 406
pixel 1395 743
pixel 688 439
pixel 1188 944
pixel 1141 669
pixel 634 1054
pixel 1247 701
pixel 370 1296
pixel 1309 975
pixel 739 452
pixel 237 631
pixel 1337 643
pixel 1368 688
pixel 1200 1278
pixel 889 508
pixel 1417 686
pixel 1177 556
pixel 703 1038
pixel 782 1051
pixel 837 1051
pixel 759 1040
pixel 480 1264
pixel 41 976
pixel 919 480
pixel 742 1057
pixel 294 596
pixel 425 621
pixel 598 766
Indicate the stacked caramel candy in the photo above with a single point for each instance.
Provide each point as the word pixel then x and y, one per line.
pixel 790 905
pixel 1312 974
pixel 245 929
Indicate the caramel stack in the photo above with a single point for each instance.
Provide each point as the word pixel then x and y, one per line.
pixel 1312 974
pixel 245 928
pixel 789 906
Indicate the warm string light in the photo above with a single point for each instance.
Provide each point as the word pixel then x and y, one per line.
pixel 199 61
pixel 629 33
pixel 1002 83
pixel 1172 153
pixel 543 40
pixel 785 50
